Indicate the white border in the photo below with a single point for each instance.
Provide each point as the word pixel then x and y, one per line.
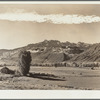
pixel 49 2
pixel 49 94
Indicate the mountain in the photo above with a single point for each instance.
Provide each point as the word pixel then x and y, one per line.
pixel 47 51
pixel 90 55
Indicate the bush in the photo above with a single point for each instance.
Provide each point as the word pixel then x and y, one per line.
pixel 6 70
pixel 24 62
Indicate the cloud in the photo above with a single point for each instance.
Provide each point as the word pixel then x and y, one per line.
pixel 52 18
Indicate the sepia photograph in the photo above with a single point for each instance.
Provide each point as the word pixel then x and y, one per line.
pixel 49 46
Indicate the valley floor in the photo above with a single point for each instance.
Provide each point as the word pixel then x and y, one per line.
pixel 51 78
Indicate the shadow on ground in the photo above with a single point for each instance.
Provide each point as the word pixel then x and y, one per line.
pixel 46 76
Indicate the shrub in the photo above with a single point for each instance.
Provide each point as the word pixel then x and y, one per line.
pixel 24 62
pixel 6 70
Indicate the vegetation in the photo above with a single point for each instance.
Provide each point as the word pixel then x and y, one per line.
pixel 6 70
pixel 69 64
pixel 24 62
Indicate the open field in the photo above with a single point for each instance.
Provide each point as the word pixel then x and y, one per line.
pixel 51 78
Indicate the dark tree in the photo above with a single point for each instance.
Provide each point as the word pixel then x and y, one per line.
pixel 24 62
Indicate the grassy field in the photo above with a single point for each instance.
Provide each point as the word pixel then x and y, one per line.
pixel 51 78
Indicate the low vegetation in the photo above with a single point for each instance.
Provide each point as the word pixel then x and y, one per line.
pixel 69 64
pixel 6 70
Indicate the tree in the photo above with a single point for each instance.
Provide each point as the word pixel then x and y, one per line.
pixel 24 62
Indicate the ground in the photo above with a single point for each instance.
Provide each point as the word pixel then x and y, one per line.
pixel 52 78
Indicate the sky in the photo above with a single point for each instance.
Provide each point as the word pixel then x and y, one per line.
pixel 23 24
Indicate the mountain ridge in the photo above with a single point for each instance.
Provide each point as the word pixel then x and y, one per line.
pixel 47 51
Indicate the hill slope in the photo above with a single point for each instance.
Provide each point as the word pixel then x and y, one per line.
pixel 45 52
pixel 90 55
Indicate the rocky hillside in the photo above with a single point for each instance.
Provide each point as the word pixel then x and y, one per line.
pixel 45 52
pixel 90 55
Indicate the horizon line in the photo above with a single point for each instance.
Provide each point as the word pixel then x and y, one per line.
pixel 47 40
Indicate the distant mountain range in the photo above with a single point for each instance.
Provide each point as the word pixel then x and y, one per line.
pixel 53 51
